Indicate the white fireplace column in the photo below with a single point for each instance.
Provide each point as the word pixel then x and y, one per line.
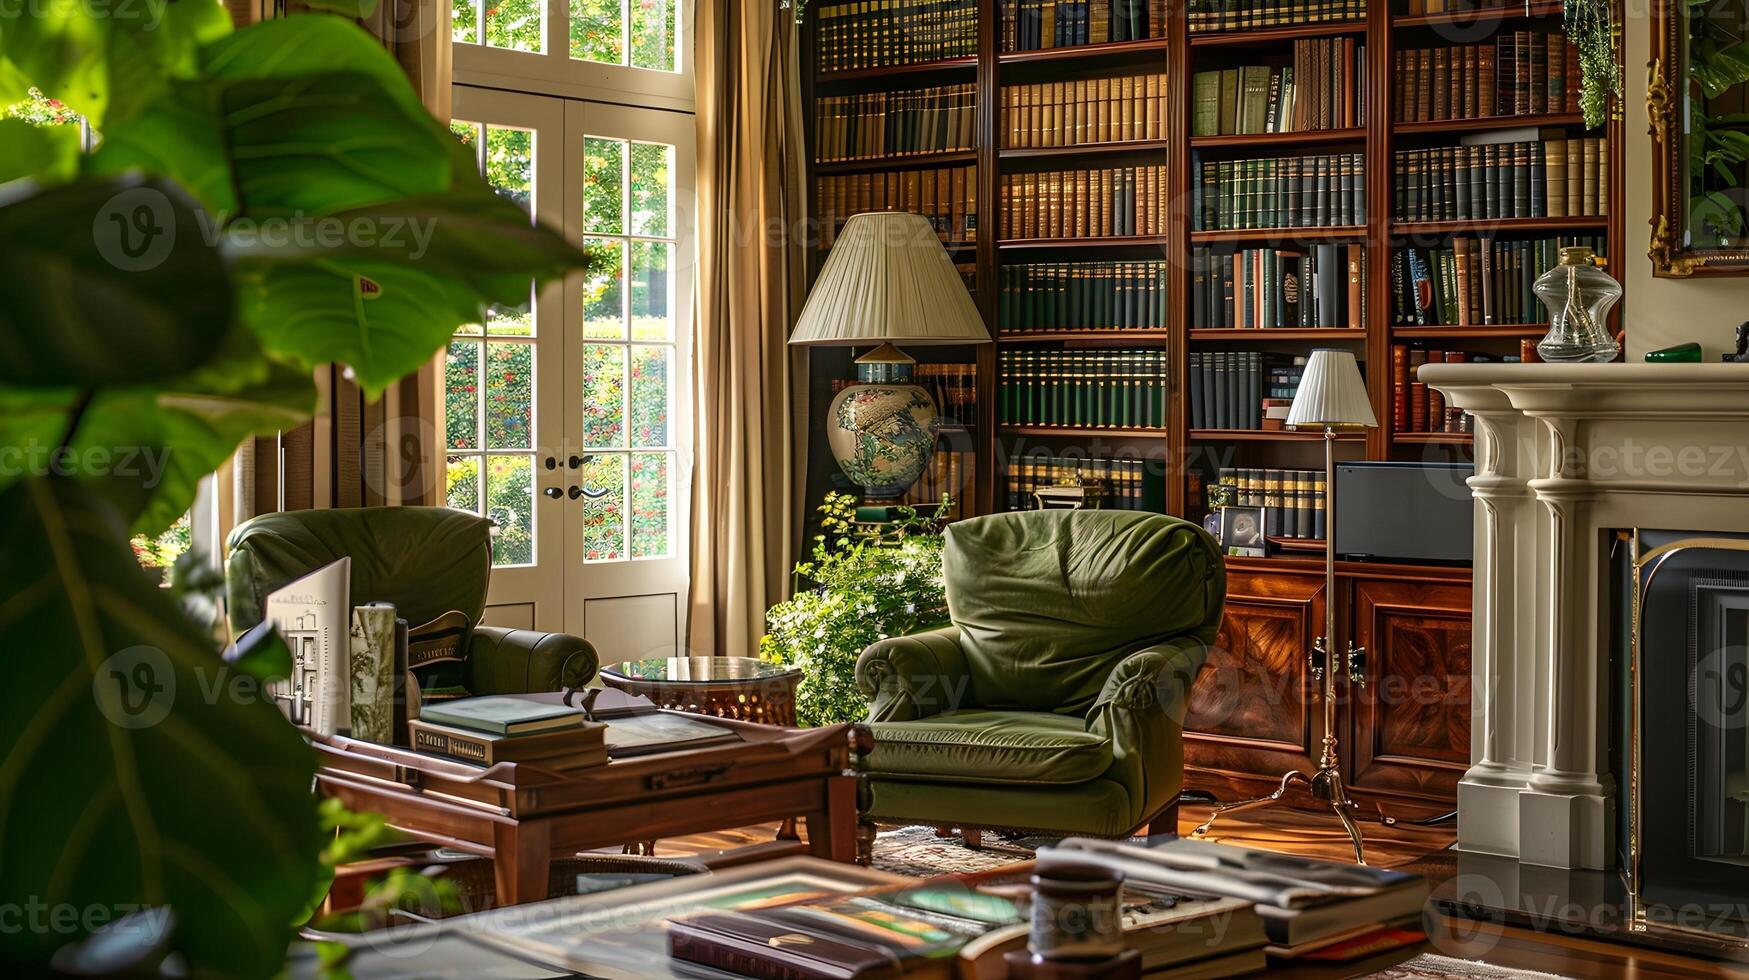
pixel 1565 455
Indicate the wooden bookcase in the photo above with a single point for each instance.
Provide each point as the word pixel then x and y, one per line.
pixel 1276 590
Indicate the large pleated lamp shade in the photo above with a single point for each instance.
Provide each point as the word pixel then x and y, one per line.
pixel 1332 394
pixel 889 280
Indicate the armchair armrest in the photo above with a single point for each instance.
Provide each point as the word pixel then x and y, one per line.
pixel 911 677
pixel 512 661
pixel 1141 710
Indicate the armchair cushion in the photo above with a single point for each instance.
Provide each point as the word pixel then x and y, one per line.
pixel 990 747
pixel 1049 602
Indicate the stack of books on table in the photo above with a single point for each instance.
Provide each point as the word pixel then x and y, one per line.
pixel 1309 908
pixel 490 730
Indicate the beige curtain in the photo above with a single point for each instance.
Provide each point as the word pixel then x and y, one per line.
pixel 358 453
pixel 750 406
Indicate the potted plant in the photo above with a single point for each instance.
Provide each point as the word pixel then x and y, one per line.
pixel 857 586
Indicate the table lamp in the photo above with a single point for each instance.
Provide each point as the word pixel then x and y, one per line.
pixel 888 279
pixel 1332 398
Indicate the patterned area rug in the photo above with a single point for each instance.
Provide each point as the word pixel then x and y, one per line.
pixel 916 851
pixel 1428 966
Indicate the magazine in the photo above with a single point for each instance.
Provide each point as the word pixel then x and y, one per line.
pixel 314 618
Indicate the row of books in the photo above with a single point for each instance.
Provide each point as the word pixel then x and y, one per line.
pixel 1475 281
pixel 1517 74
pixel 1414 406
pixel 955 387
pixel 1292 500
pixel 947 196
pixel 1244 15
pixel 1085 203
pixel 1420 8
pixel 1321 285
pixel 1129 484
pixel 1115 388
pixel 1550 178
pixel 882 33
pixel 1284 192
pixel 1083 296
pixel 937 119
pixel 1324 88
pixel 1033 25
pixel 1084 110
pixel 948 479
pixel 1242 389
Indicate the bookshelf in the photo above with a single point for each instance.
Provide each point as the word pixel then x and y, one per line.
pixel 1180 457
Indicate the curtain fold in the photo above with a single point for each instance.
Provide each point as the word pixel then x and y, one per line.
pixel 358 453
pixel 748 383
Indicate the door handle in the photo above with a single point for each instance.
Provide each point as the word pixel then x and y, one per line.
pixel 574 492
pixel 553 492
pixel 577 461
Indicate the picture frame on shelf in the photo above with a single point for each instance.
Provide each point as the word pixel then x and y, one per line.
pixel 1242 531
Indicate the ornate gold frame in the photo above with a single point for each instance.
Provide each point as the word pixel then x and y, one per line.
pixel 1664 104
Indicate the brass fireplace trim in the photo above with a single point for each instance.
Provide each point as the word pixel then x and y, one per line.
pixel 1638 920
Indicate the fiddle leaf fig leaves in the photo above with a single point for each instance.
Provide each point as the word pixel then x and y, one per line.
pixel 164 777
pixel 107 282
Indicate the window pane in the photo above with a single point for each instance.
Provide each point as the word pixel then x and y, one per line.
pixel 510 504
pixel 650 396
pixel 596 34
pixel 652 33
pixel 461 399
pixel 649 505
pixel 463 483
pixel 509 396
pixel 604 375
pixel 652 291
pixel 510 165
pixel 604 292
pixel 603 186
pixel 604 526
pixel 512 321
pixel 464 22
pixel 514 24
pixel 651 193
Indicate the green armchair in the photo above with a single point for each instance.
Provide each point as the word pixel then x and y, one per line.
pixel 1055 701
pixel 425 560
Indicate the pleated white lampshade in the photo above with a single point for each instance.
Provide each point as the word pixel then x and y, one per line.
pixel 888 279
pixel 1331 394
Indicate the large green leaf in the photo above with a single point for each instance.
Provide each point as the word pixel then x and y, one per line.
pixel 137 770
pixel 107 282
pixel 382 318
pixel 106 59
pixel 146 447
pixel 297 116
pixel 49 154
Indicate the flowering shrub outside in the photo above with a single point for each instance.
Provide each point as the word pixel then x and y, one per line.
pixel 862 587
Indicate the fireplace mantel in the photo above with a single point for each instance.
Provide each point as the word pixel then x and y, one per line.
pixel 1566 455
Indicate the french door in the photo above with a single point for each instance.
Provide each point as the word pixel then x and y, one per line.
pixel 568 420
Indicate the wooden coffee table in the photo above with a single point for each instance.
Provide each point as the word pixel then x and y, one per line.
pixel 522 815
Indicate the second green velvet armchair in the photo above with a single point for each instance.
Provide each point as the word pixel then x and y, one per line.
pixel 1055 701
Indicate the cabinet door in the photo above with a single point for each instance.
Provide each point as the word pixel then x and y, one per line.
pixel 1410 723
pixel 1252 713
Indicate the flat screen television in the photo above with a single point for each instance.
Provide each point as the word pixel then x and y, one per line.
pixel 1417 513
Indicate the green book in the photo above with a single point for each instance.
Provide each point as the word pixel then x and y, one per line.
pixel 1206 103
pixel 500 715
pixel 1253 112
pixel 1229 101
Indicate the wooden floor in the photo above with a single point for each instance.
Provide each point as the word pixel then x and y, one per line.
pixel 1411 847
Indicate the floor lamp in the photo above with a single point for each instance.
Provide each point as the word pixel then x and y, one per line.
pixel 1332 397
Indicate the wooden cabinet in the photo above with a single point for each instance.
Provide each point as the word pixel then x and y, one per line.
pixel 1404 735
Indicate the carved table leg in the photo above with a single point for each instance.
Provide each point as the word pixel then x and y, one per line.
pixel 861 744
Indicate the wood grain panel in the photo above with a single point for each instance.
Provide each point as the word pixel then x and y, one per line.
pixel 1251 711
pixel 1410 723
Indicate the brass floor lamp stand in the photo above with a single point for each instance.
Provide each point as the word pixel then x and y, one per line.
pixel 1326 783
